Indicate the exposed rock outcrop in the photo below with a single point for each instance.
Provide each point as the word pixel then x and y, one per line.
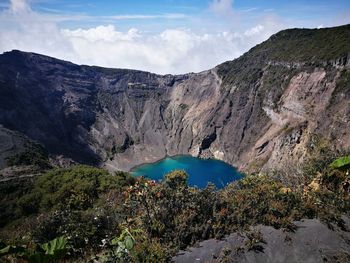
pixel 256 112
pixel 311 242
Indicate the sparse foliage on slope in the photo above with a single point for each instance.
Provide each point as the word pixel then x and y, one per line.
pixel 111 218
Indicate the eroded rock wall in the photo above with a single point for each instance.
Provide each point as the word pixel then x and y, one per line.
pixel 256 112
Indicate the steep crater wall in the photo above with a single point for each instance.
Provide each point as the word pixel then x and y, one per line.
pixel 260 111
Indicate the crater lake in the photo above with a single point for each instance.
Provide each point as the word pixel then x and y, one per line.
pixel 200 171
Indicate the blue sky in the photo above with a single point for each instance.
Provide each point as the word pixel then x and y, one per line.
pixel 164 36
pixel 312 13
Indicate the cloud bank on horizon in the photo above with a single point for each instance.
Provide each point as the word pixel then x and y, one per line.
pixel 180 42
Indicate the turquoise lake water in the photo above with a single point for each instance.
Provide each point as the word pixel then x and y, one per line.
pixel 200 171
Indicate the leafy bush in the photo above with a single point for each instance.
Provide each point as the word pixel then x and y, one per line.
pixel 152 221
pixel 51 251
pixel 77 187
pixel 83 229
pixel 176 179
pixel 171 212
pixel 254 241
pixel 34 154
pixel 10 193
pixel 260 200
pixel 81 202
pixel 131 246
pixel 327 196
pixel 179 216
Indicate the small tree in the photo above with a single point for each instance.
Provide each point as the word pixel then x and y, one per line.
pixel 176 179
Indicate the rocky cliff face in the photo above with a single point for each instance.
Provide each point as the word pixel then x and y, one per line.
pixel 267 108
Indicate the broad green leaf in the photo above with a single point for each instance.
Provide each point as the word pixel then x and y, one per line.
pixel 11 250
pixel 114 241
pixel 55 245
pixel 5 250
pixel 342 162
pixel 129 243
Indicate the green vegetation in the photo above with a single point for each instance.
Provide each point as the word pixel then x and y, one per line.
pixel 300 45
pixel 183 106
pixel 293 46
pixel 254 241
pixel 273 84
pixel 51 251
pixel 74 188
pixel 79 203
pixel 261 200
pixel 116 218
pixel 122 148
pixel 341 163
pixel 34 154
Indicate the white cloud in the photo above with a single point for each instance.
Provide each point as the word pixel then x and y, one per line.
pixel 254 31
pixel 222 7
pixel 101 33
pixel 19 6
pixel 176 50
pixel 171 51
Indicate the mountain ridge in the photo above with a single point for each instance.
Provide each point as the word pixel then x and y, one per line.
pixel 253 112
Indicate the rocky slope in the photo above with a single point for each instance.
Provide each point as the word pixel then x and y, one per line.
pixel 313 241
pixel 264 110
pixel 11 143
